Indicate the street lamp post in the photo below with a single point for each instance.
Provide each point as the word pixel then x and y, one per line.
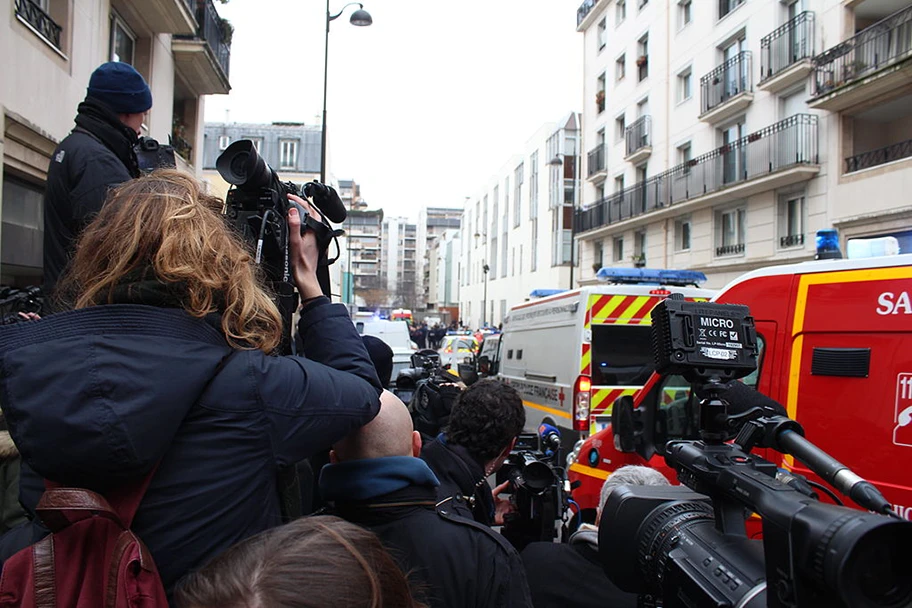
pixel 360 18
pixel 558 160
pixel 484 298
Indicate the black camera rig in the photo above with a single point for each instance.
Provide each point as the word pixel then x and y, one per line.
pixel 678 547
pixel 429 390
pixel 258 207
pixel 15 300
pixel 539 488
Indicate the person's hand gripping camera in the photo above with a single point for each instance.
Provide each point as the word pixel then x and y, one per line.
pixel 305 253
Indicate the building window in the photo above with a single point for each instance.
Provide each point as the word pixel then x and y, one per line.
pixel 533 186
pixel 503 256
pixel 598 255
pixel 495 208
pixel 643 58
pixel 224 142
pixel 685 85
pixel 792 212
pixel 641 4
pixel 517 185
pixel 602 33
pixel 123 41
pixel 533 264
pixel 685 155
pixel 727 6
pixel 618 249
pixel 620 12
pixel 620 68
pixel 618 184
pixel 600 93
pixel 288 158
pixel 493 264
pixel 620 126
pixel 730 232
pixel 682 234
pixel 685 13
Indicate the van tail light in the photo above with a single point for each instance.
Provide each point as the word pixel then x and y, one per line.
pixel 581 403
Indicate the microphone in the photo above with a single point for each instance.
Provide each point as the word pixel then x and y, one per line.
pixel 327 200
pixel 550 436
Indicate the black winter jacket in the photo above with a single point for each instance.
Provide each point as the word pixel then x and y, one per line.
pixel 463 485
pixel 99 395
pixel 452 561
pixel 571 574
pixel 82 170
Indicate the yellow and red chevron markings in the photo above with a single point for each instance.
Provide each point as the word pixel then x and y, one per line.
pixel 603 398
pixel 621 310
pixel 586 360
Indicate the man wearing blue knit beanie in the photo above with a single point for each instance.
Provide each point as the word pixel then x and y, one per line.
pixel 96 156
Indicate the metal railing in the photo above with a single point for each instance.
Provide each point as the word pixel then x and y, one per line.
pixel 885 43
pixel 791 240
pixel 726 81
pixel 730 249
pixel 638 134
pixel 32 14
pixel 872 158
pixel 787 45
pixel 211 30
pixel 596 159
pixel 584 9
pixel 788 143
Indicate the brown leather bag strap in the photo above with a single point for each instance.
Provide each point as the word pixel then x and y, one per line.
pixel 61 507
pixel 45 579
pixel 123 543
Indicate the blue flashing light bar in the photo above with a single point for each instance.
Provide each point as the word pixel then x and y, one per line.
pixel 544 293
pixel 651 276
pixel 827 242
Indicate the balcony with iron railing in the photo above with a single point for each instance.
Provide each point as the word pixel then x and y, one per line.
pixel 733 249
pixel 583 11
pixel 876 62
pixel 596 162
pixel 791 240
pixel 727 90
pixel 204 58
pixel 638 139
pixel 780 155
pixel 786 54
pixel 38 21
pixel 881 156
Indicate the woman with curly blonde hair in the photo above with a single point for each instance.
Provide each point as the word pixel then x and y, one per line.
pixel 164 358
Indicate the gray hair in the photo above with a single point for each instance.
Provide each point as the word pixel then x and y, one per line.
pixel 630 475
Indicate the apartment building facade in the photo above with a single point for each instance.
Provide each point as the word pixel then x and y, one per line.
pixel 433 222
pixel 442 274
pixel 181 47
pixel 717 139
pixel 516 230
pixel 398 264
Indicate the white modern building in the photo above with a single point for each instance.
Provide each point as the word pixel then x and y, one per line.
pixel 50 49
pixel 721 135
pixel 397 262
pixel 432 223
pixel 442 283
pixel 516 229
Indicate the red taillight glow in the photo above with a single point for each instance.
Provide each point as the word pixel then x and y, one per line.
pixel 581 402
pixel 659 292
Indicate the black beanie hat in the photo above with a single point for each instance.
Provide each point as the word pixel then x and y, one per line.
pixel 120 87
pixel 381 356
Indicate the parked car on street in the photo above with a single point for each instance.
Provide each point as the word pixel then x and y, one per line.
pixel 456 348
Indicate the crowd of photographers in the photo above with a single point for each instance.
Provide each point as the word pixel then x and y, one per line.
pixel 150 390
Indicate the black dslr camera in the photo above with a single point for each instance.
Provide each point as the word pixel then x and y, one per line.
pixel 539 488
pixel 258 207
pixel 678 547
pixel 152 155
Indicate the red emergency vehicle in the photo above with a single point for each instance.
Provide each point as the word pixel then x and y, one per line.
pixel 836 351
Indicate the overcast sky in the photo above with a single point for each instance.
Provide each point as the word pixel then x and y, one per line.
pixel 425 104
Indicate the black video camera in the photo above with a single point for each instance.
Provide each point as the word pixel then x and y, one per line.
pixel 429 392
pixel 14 300
pixel 151 155
pixel 258 207
pixel 678 547
pixel 538 486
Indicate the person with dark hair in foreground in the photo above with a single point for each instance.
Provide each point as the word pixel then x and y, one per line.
pixel 313 562
pixel 377 481
pixel 483 426
pixel 571 574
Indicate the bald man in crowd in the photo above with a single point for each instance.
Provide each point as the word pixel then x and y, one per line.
pixel 377 481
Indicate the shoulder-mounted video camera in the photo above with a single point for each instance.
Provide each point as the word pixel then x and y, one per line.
pixel 429 391
pixel 258 207
pixel 687 547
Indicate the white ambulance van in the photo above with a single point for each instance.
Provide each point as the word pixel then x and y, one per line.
pixel 570 355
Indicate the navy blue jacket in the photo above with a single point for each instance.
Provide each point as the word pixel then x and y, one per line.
pixel 99 395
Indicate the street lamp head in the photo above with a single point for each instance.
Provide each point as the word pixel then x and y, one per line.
pixel 361 18
pixel 486 268
pixel 556 161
